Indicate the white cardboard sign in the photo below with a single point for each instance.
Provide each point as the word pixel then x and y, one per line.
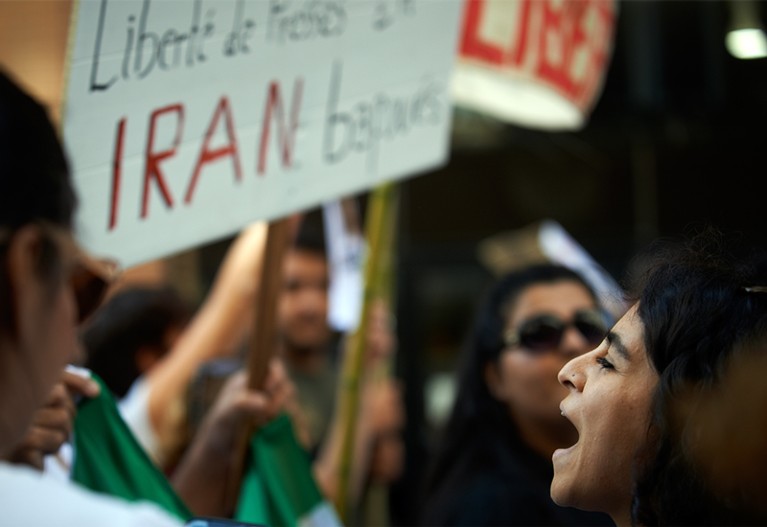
pixel 185 120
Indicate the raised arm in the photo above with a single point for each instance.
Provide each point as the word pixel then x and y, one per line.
pixel 215 331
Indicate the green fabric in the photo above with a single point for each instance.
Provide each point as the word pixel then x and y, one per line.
pixel 278 488
pixel 108 459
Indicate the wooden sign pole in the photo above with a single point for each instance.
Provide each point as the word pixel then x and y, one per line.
pixel 264 341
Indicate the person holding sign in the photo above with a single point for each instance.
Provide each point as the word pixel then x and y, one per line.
pixel 307 347
pixel 154 407
pixel 38 314
pixel 306 340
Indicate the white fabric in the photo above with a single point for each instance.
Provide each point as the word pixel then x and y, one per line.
pixel 59 465
pixel 321 515
pixel 29 498
pixel 134 409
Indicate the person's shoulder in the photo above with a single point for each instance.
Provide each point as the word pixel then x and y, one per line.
pixel 30 498
pixel 478 494
pixel 477 504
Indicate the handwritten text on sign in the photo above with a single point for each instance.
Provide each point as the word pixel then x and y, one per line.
pixel 186 120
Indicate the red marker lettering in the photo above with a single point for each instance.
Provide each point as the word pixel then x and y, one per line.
pixel 153 159
pixel 207 155
pixel 116 173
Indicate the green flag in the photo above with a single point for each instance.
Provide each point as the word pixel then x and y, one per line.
pixel 278 488
pixel 108 458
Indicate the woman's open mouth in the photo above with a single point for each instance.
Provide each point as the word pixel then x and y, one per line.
pixel 560 452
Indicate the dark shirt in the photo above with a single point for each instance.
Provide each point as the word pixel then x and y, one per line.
pixel 509 491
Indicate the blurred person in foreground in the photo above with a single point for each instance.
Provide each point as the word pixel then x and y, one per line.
pixel 47 288
pixel 493 466
pixel 39 315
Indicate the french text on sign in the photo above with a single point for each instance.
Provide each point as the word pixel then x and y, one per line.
pixel 187 120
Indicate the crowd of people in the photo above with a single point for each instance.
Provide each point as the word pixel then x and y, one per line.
pixel 562 416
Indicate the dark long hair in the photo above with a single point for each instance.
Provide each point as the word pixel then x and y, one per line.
pixel 479 429
pixel 34 174
pixel 134 317
pixel 698 308
pixel 34 182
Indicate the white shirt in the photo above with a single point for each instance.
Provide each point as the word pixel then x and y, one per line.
pixel 134 409
pixel 28 497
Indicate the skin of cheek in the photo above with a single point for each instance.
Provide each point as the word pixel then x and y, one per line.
pixel 625 403
pixel 48 341
pixel 531 384
pixel 63 346
pixel 625 426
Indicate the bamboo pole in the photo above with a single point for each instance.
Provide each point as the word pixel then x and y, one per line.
pixel 384 285
pixel 264 338
pixel 384 289
pixel 379 208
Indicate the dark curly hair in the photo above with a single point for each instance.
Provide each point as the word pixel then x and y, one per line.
pixel 698 309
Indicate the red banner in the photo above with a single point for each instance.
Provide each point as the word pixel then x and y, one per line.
pixel 550 55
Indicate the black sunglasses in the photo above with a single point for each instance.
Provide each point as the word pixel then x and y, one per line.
pixel 90 282
pixel 545 332
pixel 89 277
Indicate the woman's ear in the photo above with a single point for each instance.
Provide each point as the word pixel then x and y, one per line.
pixel 26 286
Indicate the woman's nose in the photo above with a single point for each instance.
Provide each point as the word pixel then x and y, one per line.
pixel 572 375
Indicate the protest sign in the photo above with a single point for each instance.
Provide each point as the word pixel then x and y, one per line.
pixel 535 63
pixel 186 120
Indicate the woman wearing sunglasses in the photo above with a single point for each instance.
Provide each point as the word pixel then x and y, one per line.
pixel 669 409
pixel 494 467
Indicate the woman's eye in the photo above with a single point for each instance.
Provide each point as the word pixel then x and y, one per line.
pixel 605 364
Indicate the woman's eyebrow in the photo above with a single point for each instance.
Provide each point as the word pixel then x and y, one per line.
pixel 615 341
